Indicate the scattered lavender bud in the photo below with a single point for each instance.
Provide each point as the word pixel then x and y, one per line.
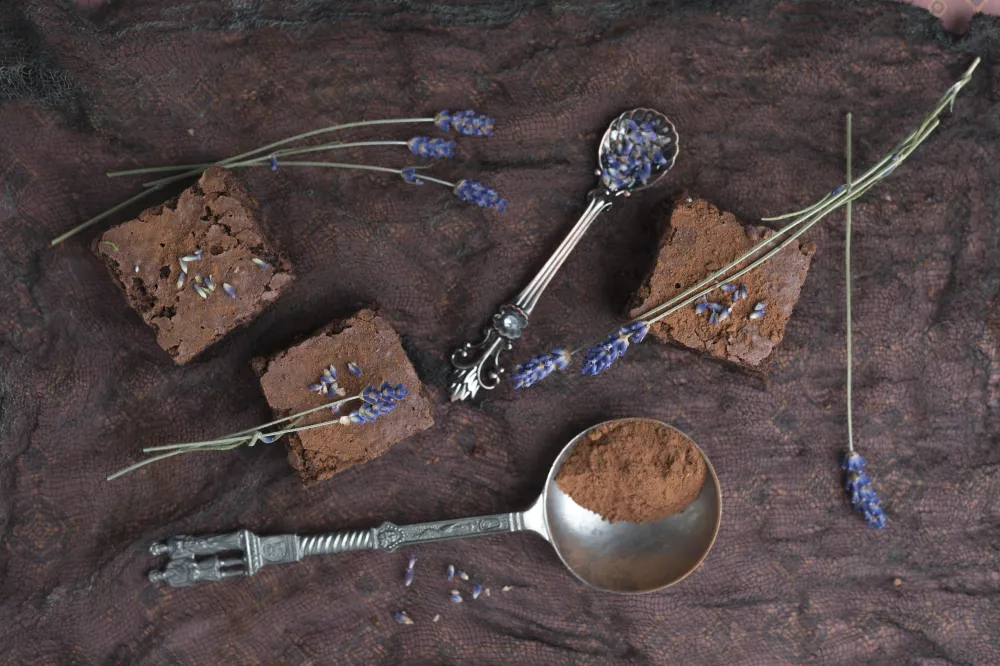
pixel 319 388
pixel 354 369
pixel 436 618
pixel 486 591
pixel 837 190
pixel 713 318
pixel 461 574
pixel 180 280
pixel 210 283
pixel 760 306
pixel 260 262
pixel 728 288
pixel 506 588
pixel 273 160
pixel 191 257
pixel 402 617
pixel 267 439
pixel 756 314
pixel 724 315
pixel 455 596
pixel 197 252
pixel 740 294
pixel 332 370
pixel 409 577
pixel 137 268
pixel 413 560
pixel 476 591
pixel 451 572
pixel 700 307
pixel 200 291
pixel 716 307
pixel 228 288
pixel 184 266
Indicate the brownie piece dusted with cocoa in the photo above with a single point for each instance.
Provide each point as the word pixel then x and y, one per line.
pixel 364 350
pixel 197 267
pixel 742 324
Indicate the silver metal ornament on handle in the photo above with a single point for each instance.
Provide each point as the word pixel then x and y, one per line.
pixel 620 557
pixel 477 365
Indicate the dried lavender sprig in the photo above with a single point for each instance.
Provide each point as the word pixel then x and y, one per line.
pixel 539 367
pixel 857 484
pixel 195 171
pixel 233 440
pixel 830 202
pixel 808 217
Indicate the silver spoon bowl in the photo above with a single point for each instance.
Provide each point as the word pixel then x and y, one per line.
pixel 626 558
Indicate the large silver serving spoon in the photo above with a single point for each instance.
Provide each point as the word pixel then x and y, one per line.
pixel 621 557
pixel 477 365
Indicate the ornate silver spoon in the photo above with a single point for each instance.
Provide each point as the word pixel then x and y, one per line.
pixel 637 149
pixel 619 557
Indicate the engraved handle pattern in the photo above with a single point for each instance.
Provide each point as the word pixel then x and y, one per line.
pixel 337 542
pixel 390 537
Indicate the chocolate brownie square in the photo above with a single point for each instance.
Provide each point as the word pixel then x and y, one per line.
pixel 365 351
pixel 196 267
pixel 700 240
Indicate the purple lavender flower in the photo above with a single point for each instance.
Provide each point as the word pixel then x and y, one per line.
pixel 273 159
pixel 409 174
pixel 859 487
pixel 476 193
pixel 599 358
pixel 377 403
pixel 539 367
pixel 424 146
pixel 467 122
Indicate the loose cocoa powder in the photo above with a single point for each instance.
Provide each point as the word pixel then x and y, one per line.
pixel 634 471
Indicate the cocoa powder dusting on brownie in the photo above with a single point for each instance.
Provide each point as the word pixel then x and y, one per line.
pixel 634 471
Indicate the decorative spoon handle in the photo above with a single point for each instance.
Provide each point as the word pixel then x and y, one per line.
pixel 212 558
pixel 477 365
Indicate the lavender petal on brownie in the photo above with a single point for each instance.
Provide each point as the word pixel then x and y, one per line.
pixel 742 324
pixel 197 267
pixel 364 350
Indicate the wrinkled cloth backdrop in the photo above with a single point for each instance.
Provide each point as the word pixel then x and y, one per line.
pixel 758 92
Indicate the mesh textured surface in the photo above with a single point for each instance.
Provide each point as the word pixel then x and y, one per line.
pixel 758 92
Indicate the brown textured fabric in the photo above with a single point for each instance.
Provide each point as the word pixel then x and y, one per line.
pixel 758 92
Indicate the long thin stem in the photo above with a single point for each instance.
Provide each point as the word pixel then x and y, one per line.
pixel 197 170
pixel 264 159
pixel 847 271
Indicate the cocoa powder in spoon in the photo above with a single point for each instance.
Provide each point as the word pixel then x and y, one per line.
pixel 633 471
